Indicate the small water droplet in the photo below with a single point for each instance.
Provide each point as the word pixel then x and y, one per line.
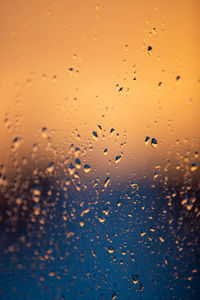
pixel 70 71
pixel 82 223
pixel 155 175
pixel 149 50
pixel 36 190
pixel 102 219
pixel 105 152
pixel 99 126
pixel 50 167
pixel 135 279
pixel 106 182
pixel 78 163
pixel 37 209
pixel 16 143
pixel 7 123
pixel 71 169
pixel 112 131
pixel 141 287
pixel 44 132
pixel 78 186
pixel 110 249
pixel 19 200
pixel 77 151
pixel 87 168
pixel 147 140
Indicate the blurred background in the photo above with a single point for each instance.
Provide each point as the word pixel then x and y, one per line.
pixel 99 152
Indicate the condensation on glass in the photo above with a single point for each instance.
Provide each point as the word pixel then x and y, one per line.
pixel 99 152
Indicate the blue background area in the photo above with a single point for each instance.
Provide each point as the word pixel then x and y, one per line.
pixel 85 268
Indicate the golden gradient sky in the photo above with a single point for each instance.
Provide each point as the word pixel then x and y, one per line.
pixel 41 40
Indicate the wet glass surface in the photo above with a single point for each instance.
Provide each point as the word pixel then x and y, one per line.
pixel 99 152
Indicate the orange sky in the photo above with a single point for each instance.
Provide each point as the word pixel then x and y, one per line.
pixel 41 40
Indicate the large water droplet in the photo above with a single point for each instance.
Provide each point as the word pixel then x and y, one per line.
pixel 154 143
pixel 117 159
pixel 95 135
pixel 193 167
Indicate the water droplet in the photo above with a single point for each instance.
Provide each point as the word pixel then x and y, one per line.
pixel 78 186
pixel 106 182
pixel 16 143
pixel 147 140
pixel 149 50
pixel 70 71
pixel 7 123
pixel 19 200
pixel 114 296
pixel 193 167
pixel 112 131
pixel 35 147
pixel 105 151
pixel 99 126
pixel 143 233
pixel 77 151
pixel 82 223
pixel 50 167
pixel 101 220
pixel 67 181
pixel 141 287
pixel 154 142
pixel 117 159
pixel 135 279
pixel 77 163
pixel 87 168
pixel 37 209
pixel 189 206
pixel 185 200
pixel 44 132
pixel 71 169
pixel 85 212
pixel 155 175
pixel 95 135
pixel 36 191
pixel 110 249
